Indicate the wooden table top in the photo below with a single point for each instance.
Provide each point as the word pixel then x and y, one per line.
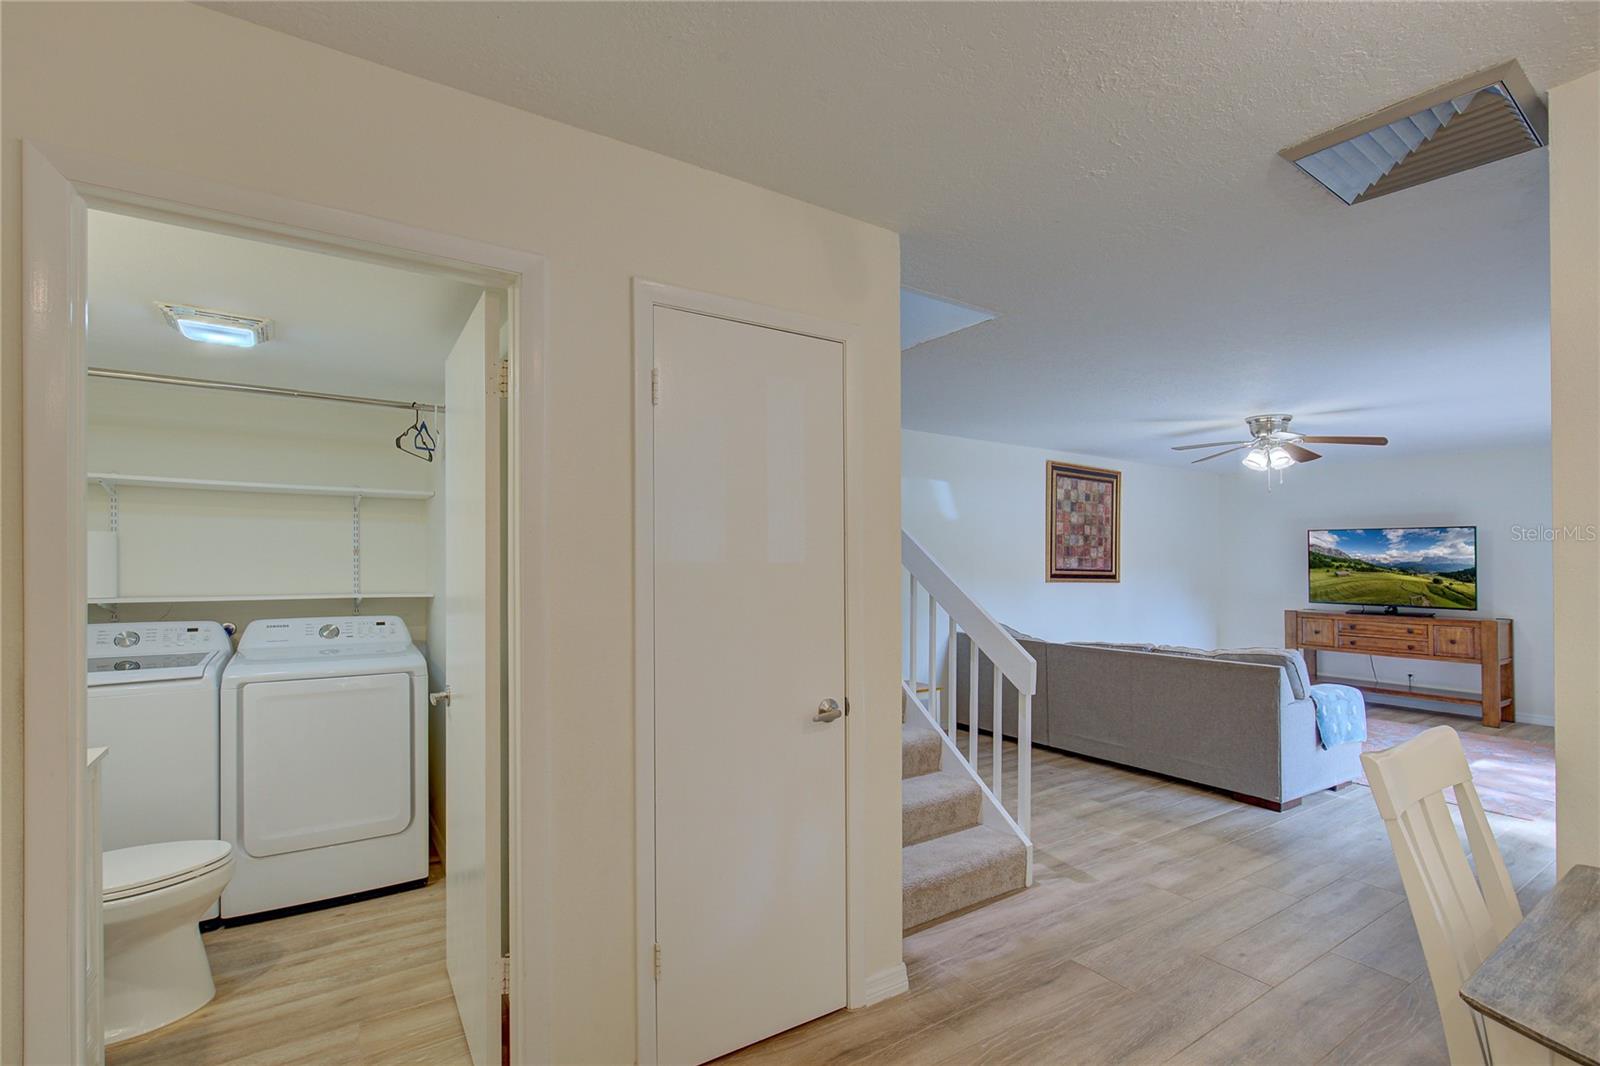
pixel 1544 979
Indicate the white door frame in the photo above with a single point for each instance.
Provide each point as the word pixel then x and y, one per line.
pixel 58 185
pixel 647 296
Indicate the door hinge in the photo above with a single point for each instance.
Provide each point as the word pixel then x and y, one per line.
pixel 505 975
pixel 657 956
pixel 655 386
pixel 504 385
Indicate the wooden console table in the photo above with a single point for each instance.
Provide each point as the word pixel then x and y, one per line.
pixel 1484 641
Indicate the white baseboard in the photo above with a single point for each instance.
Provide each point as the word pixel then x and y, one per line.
pixel 885 984
pixel 1422 703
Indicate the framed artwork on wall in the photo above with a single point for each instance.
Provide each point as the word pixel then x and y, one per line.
pixel 1083 506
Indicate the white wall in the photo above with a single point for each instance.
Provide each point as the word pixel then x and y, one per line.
pixel 1575 412
pixel 287 117
pixel 1214 559
pixel 979 510
pixel 1500 492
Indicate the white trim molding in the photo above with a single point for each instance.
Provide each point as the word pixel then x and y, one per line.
pixel 58 187
pixel 54 952
pixel 861 987
pixel 885 984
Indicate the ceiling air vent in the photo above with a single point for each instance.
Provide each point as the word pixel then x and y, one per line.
pixel 1476 120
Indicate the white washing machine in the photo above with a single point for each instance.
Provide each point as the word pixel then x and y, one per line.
pixel 324 761
pixel 153 702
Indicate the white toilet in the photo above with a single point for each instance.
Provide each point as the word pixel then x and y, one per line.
pixel 156 969
pixel 153 705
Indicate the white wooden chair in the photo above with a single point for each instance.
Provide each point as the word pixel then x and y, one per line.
pixel 1460 918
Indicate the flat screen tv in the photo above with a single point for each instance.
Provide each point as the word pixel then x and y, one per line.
pixel 1420 567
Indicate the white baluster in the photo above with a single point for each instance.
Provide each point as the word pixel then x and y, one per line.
pixel 933 666
pixel 972 703
pixel 911 640
pixel 950 678
pixel 1025 764
pixel 999 719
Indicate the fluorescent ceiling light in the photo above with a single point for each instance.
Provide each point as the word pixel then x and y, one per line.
pixel 924 317
pixel 1476 120
pixel 217 327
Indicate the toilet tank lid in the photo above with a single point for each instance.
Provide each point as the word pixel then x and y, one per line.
pixel 145 866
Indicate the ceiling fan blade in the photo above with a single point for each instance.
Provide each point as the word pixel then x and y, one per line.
pixel 1301 455
pixel 1345 440
pixel 1213 444
pixel 1214 455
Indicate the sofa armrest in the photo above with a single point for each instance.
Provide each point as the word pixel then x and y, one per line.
pixel 1307 766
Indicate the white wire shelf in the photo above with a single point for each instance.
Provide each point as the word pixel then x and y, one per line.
pixel 272 487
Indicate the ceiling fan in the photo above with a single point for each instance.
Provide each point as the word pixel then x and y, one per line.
pixel 1273 445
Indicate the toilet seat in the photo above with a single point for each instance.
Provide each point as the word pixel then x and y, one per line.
pixel 136 871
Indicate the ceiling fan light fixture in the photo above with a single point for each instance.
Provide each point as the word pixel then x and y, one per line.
pixel 1272 445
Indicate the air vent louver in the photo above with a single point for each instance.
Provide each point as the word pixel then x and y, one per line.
pixel 1477 120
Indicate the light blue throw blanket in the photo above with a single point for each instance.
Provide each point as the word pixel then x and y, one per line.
pixel 1341 714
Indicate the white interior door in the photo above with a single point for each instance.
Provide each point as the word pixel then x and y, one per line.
pixel 472 590
pixel 749 641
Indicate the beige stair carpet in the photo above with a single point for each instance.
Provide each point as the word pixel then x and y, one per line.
pixel 935 804
pixel 920 749
pixel 950 861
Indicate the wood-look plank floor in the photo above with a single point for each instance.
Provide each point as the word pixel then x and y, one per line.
pixel 1168 923
pixel 351 985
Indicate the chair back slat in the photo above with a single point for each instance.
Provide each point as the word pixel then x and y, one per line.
pixel 1460 903
pixel 1460 917
pixel 1493 877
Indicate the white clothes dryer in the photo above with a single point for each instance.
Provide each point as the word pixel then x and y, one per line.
pixel 324 737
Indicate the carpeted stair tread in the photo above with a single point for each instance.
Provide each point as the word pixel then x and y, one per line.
pixel 947 873
pixel 935 804
pixel 920 750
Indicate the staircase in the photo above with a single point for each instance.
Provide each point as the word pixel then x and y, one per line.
pixel 960 846
pixel 949 860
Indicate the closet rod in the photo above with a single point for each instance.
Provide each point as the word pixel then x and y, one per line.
pixel 264 390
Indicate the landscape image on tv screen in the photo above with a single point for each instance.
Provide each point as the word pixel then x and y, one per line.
pixel 1422 567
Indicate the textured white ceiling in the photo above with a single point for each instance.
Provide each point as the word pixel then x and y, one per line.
pixel 339 325
pixel 1102 176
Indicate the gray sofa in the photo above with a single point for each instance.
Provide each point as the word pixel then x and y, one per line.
pixel 1239 726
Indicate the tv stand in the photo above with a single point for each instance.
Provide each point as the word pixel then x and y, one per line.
pixel 1392 612
pixel 1484 642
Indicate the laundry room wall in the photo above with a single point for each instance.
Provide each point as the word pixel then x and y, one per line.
pixel 249 547
pixel 286 117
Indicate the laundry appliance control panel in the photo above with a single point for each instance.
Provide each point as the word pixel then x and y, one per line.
pixel 116 638
pixel 376 633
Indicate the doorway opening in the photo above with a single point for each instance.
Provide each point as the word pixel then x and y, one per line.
pixel 269 525
pixel 285 592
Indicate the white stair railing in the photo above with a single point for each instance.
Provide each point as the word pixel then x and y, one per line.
pixel 937 612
